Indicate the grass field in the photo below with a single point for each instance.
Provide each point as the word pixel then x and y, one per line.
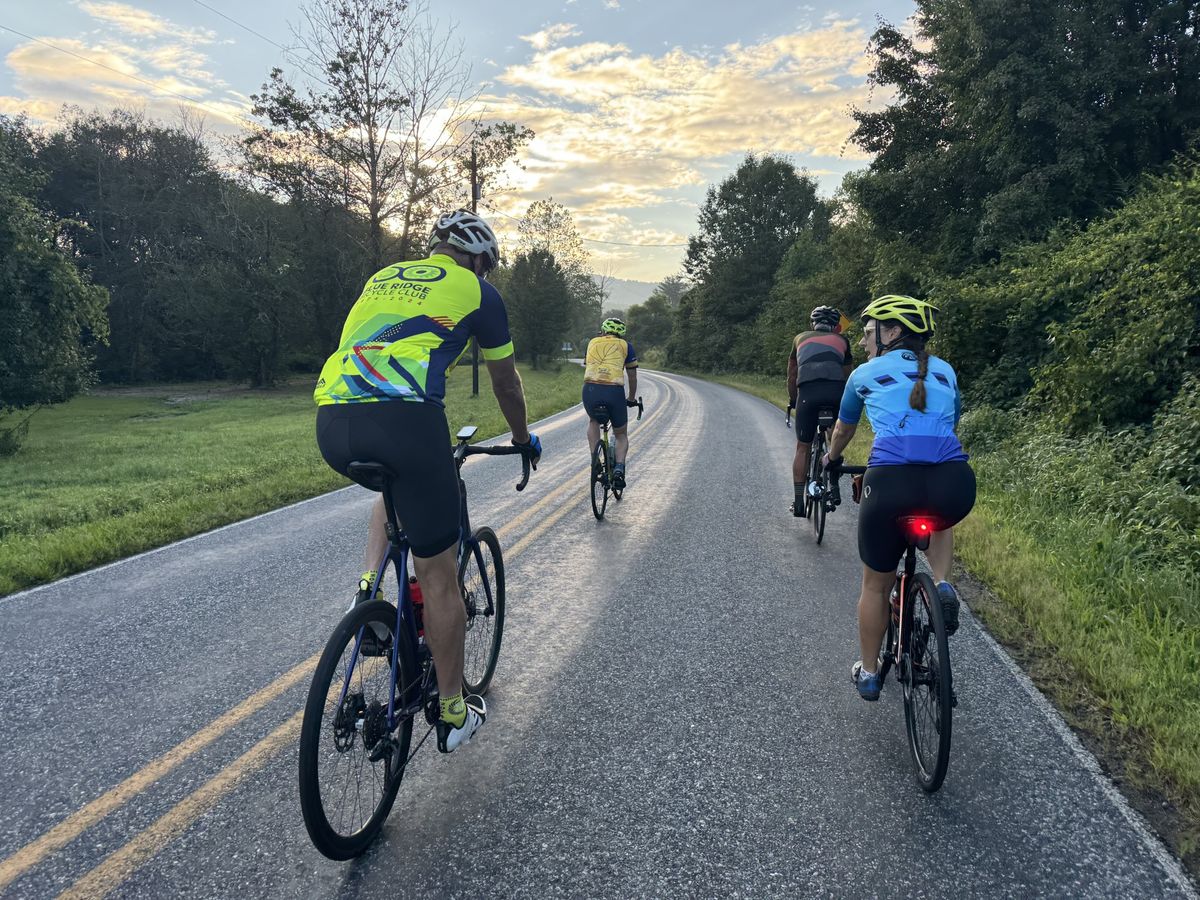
pixel 126 470
pixel 1113 636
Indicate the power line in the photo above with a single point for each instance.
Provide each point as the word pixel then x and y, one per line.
pixel 597 240
pixel 260 35
pixel 193 101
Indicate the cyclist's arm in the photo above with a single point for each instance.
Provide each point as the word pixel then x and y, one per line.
pixel 490 327
pixel 792 375
pixel 510 395
pixel 631 363
pixel 843 434
pixel 848 416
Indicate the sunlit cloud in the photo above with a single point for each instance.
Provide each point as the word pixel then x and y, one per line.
pixel 621 134
pixel 550 36
pixel 136 59
pixel 143 23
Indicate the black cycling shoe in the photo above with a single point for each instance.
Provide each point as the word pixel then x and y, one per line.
pixel 618 477
pixel 950 605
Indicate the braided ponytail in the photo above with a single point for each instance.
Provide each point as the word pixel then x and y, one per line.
pixel 916 399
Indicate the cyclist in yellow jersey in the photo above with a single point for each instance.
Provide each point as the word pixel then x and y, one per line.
pixel 381 397
pixel 609 358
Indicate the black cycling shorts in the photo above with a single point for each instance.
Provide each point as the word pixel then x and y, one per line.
pixel 811 398
pixel 598 396
pixel 413 440
pixel 945 491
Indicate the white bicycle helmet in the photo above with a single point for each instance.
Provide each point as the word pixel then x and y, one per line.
pixel 465 231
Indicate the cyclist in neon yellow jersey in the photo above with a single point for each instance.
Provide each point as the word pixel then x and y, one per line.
pixel 608 360
pixel 381 397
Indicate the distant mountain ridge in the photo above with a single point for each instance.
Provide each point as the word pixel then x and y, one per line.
pixel 623 293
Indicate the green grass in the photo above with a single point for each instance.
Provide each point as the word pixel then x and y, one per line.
pixel 1114 635
pixel 1110 632
pixel 121 471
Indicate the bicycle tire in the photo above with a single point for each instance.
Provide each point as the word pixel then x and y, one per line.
pixel 600 481
pixel 817 506
pixel 485 630
pixel 319 734
pixel 928 689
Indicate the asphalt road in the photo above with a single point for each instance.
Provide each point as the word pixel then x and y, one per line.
pixel 672 714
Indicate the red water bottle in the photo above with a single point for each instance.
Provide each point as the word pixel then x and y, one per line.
pixel 418 603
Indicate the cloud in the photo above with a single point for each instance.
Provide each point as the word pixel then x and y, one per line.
pixel 135 59
pixel 141 23
pixel 627 140
pixel 550 36
pixel 645 127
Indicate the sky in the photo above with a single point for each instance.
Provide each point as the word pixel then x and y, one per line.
pixel 637 105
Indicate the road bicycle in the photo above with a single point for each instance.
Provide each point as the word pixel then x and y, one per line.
pixel 376 676
pixel 917 650
pixel 604 458
pixel 825 498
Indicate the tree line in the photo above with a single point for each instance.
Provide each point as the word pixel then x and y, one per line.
pixel 134 251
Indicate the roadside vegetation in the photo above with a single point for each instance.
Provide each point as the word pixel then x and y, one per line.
pixel 126 470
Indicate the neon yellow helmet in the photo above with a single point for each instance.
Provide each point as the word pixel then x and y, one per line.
pixel 613 326
pixel 915 315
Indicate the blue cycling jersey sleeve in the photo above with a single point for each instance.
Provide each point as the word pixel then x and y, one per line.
pixel 630 356
pixel 852 404
pixel 490 324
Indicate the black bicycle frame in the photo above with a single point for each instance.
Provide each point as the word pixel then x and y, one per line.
pixel 397 553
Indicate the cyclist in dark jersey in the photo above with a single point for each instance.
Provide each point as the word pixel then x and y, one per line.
pixel 381 397
pixel 917 464
pixel 817 369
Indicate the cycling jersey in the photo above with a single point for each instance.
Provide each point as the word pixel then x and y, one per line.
pixel 820 356
pixel 608 356
pixel 407 330
pixel 903 435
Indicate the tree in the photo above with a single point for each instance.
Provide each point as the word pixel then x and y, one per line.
pixel 133 196
pixel 548 225
pixel 51 317
pixel 650 323
pixel 389 127
pixel 537 292
pixel 672 288
pixel 746 226
pixel 1020 114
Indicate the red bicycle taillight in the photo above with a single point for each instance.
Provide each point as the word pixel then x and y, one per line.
pixel 920 528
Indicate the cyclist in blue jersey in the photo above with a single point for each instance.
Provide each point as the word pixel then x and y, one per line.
pixel 916 466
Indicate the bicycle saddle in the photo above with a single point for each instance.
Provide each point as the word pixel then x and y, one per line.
pixel 601 413
pixel 369 474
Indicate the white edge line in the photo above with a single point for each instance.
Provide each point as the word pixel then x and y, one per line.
pixel 239 523
pixel 1170 865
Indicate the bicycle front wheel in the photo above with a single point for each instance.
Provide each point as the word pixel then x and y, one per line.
pixel 928 689
pixel 600 480
pixel 351 763
pixel 481 578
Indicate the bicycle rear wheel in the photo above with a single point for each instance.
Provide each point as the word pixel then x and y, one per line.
pixel 600 480
pixel 816 508
pixel 350 764
pixel 481 578
pixel 928 689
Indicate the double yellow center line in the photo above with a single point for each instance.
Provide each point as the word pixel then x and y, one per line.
pixel 122 863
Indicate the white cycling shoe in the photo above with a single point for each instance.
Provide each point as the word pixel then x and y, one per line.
pixel 450 738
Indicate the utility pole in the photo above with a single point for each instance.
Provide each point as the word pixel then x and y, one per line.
pixel 474 209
